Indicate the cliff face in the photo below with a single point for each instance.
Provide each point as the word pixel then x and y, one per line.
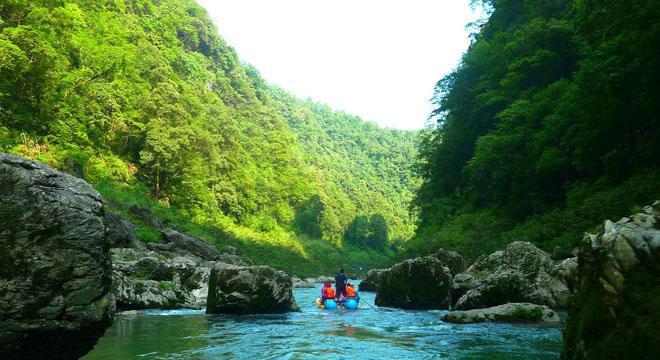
pixel 55 279
pixel 615 311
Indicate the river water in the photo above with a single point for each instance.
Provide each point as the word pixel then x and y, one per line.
pixel 369 333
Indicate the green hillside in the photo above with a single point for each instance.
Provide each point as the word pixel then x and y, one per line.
pixel 548 126
pixel 144 100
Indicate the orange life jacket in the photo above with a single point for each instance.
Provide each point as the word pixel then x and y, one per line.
pixel 329 293
pixel 350 291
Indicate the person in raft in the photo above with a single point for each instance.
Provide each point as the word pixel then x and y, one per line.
pixel 340 285
pixel 351 293
pixel 327 292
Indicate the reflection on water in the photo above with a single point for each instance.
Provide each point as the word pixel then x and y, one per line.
pixel 370 333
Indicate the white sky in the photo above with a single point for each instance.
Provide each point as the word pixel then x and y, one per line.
pixel 378 59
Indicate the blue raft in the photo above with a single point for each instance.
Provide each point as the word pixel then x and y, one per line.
pixel 350 304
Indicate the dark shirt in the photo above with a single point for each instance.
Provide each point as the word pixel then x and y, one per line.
pixel 340 280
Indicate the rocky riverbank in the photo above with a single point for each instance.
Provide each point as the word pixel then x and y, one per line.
pixel 521 273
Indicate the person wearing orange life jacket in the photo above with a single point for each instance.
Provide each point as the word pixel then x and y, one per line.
pixel 327 292
pixel 351 293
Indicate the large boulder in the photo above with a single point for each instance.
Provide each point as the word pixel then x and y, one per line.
pixel 143 279
pixel 520 273
pixel 121 232
pixel 567 269
pixel 183 243
pixel 616 308
pixel 453 260
pixel 421 283
pixel 509 313
pixel 371 280
pixel 176 243
pixel 55 297
pixel 249 290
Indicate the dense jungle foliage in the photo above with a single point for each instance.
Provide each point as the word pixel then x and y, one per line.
pixel 144 100
pixel 548 126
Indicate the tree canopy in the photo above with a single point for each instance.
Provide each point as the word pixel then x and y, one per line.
pixel 548 126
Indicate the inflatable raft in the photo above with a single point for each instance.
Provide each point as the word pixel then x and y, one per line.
pixel 350 304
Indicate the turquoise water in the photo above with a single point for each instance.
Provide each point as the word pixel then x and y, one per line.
pixel 371 333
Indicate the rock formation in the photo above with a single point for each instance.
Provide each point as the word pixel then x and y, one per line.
pixel 121 232
pixel 249 290
pixel 520 273
pixel 421 283
pixel 143 279
pixel 55 297
pixel 371 280
pixel 510 313
pixel 299 283
pixel 616 308
pixel 453 260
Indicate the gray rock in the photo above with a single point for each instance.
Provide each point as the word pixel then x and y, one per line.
pixel 371 280
pixel 146 215
pixel 180 244
pixel 299 283
pixel 249 290
pixel 615 314
pixel 520 273
pixel 325 279
pixel 453 260
pixel 121 232
pixel 567 268
pixel 183 243
pixel 145 279
pixel 509 313
pixel 55 279
pixel 421 283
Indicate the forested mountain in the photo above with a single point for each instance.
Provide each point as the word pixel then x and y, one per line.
pixel 144 100
pixel 548 126
pixel 363 171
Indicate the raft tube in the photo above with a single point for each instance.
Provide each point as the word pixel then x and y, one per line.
pixel 329 304
pixel 351 304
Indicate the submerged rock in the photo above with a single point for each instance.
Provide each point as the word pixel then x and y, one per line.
pixel 615 312
pixel 520 273
pixel 55 297
pixel 421 283
pixel 249 290
pixel 371 280
pixel 510 313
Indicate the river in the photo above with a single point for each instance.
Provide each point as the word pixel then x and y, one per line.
pixel 370 333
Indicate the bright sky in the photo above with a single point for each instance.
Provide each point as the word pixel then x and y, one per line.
pixel 378 59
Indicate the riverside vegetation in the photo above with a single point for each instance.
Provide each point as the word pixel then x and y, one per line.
pixel 146 102
pixel 548 126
